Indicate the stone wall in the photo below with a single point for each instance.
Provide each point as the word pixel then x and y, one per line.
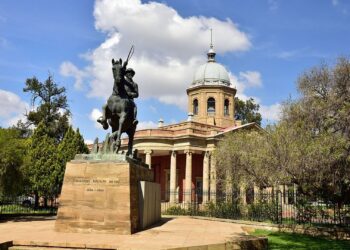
pixel 101 196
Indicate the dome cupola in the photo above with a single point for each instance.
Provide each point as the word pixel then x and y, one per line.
pixel 211 73
pixel 210 96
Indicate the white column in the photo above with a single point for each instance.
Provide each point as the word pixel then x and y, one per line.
pixel 188 176
pixel 173 183
pixel 212 179
pixel 206 177
pixel 148 158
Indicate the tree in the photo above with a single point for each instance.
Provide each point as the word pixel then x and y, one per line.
pixel 309 147
pixel 241 160
pixel 23 129
pixel 323 112
pixel 72 144
pixel 247 111
pixel 81 147
pixel 52 106
pixel 43 168
pixel 12 154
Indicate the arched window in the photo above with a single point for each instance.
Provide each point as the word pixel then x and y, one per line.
pixel 226 107
pixel 211 106
pixel 195 107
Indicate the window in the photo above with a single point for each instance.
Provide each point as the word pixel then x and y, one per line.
pixel 211 106
pixel 195 107
pixel 226 107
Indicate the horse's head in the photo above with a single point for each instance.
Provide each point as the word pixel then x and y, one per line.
pixel 117 69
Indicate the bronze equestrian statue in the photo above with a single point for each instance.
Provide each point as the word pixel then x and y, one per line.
pixel 120 111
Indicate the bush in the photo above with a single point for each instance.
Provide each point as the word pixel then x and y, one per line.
pixel 223 210
pixel 176 210
pixel 262 211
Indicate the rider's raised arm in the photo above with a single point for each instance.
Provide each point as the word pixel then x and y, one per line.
pixel 125 64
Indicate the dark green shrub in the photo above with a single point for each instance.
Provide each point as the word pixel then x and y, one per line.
pixel 223 210
pixel 176 210
pixel 262 211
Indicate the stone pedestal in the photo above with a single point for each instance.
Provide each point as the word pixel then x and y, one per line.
pixel 106 196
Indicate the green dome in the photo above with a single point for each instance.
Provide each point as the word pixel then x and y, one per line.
pixel 211 73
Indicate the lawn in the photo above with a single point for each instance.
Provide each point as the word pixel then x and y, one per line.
pixel 280 240
pixel 20 209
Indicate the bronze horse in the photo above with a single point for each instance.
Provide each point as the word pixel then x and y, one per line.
pixel 120 109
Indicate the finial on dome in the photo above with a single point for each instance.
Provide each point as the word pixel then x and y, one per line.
pixel 211 53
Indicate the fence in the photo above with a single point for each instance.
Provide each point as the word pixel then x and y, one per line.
pixel 289 207
pixel 25 205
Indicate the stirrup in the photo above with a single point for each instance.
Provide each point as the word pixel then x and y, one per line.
pixel 101 120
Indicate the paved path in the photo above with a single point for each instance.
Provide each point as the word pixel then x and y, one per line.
pixel 175 232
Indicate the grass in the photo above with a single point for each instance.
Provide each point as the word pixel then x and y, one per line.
pixel 281 240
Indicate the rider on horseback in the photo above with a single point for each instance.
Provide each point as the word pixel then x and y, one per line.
pixel 132 91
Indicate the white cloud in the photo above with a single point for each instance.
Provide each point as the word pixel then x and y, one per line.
pixel 241 83
pixel 287 54
pixel 68 69
pixel 168 47
pixel 146 125
pixel 88 142
pixel 335 2
pixel 153 109
pixel 12 108
pixel 94 115
pixel 180 101
pixel 251 78
pixel 272 112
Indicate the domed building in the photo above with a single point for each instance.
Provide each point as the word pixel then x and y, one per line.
pixel 181 155
pixel 210 96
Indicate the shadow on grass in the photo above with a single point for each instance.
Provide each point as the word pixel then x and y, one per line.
pixel 281 240
pixel 26 218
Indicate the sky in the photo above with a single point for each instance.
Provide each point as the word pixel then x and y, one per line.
pixel 265 45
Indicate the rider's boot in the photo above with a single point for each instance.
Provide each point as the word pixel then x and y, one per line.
pixel 103 122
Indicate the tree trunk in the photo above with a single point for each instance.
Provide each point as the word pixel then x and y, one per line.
pixel 36 199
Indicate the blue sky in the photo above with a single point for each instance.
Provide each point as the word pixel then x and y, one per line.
pixel 264 44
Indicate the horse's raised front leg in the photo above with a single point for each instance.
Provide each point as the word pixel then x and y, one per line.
pixel 118 140
pixel 103 118
pixel 131 133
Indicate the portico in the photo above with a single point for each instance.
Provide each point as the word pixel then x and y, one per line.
pixel 181 155
pixel 183 182
pixel 177 159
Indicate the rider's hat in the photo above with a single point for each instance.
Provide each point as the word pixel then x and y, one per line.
pixel 131 71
